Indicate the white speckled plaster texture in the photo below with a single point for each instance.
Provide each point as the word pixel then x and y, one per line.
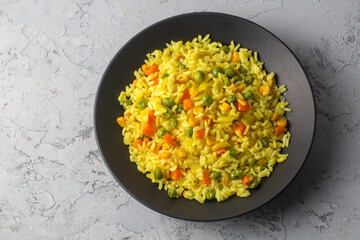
pixel 53 182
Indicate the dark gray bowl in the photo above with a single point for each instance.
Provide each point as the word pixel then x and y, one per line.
pixel 223 28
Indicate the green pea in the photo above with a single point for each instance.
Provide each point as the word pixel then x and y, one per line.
pixel 210 194
pixel 161 132
pixel 229 72
pixel 249 79
pixel 242 70
pixel 207 99
pixel 142 103
pixel 215 175
pixel 232 153
pixel 227 82
pixel 168 102
pixel 189 132
pixel 165 75
pixel 179 108
pixel 182 66
pixel 199 76
pixel 235 174
pixel 217 70
pixel 127 103
pixel 252 161
pixel 158 174
pixel 231 99
pixel 236 79
pixel 173 122
pixel 265 142
pixel 168 113
pixel 225 48
pixel 249 96
pixel 172 193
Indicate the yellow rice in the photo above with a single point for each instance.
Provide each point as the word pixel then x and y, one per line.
pixel 202 54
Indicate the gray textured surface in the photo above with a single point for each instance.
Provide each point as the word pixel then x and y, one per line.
pixel 54 184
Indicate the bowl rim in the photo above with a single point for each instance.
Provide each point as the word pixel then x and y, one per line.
pixel 190 14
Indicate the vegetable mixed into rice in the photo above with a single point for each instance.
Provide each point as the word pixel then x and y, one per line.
pixel 204 120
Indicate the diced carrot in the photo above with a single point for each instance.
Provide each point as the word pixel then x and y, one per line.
pixel 220 151
pixel 186 95
pixel 127 114
pixel 144 67
pixel 175 175
pixel 146 141
pixel 135 82
pixel 180 57
pixel 188 104
pixel 150 70
pixel 211 121
pixel 275 117
pixel 151 117
pixel 148 130
pixel 200 133
pixel 137 143
pixel 243 105
pixel 168 139
pixel 279 130
pixel 235 57
pixel 206 181
pixel 245 180
pixel 154 82
pixel 240 130
pixel 281 122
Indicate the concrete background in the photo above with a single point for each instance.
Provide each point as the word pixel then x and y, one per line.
pixel 54 184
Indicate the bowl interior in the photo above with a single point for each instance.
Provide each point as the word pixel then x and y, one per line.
pixel 223 28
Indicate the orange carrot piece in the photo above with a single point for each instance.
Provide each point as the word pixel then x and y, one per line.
pixel 137 143
pixel 175 175
pixel 154 82
pixel 168 139
pixel 279 130
pixel 245 180
pixel 220 151
pixel 150 70
pixel 151 117
pixel 200 133
pixel 240 130
pixel 275 117
pixel 211 121
pixel 186 95
pixel 148 130
pixel 206 179
pixel 243 105
pixel 188 104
